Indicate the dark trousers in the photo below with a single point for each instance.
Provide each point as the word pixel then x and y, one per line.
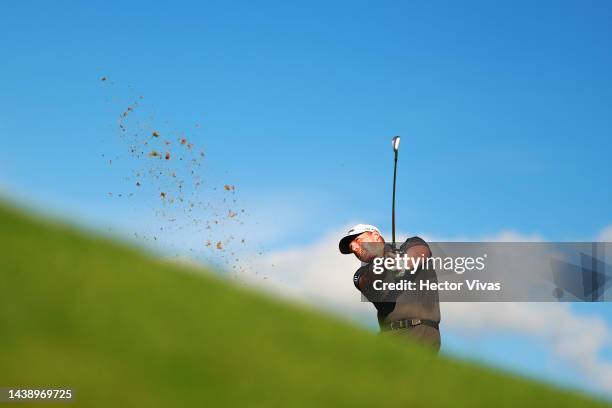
pixel 421 334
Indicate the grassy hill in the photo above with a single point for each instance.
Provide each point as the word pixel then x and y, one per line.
pixel 123 329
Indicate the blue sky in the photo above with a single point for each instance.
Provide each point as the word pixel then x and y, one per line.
pixel 504 109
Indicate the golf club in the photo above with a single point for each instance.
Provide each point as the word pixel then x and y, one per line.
pixel 395 143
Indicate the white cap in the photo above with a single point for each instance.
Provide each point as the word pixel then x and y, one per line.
pixel 358 229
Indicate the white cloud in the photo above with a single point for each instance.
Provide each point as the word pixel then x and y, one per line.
pixel 512 236
pixel 316 274
pixel 573 338
pixel 320 275
pixel 605 235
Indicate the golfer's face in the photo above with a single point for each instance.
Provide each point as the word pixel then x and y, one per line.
pixel 364 246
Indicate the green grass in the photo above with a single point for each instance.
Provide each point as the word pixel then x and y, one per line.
pixel 123 329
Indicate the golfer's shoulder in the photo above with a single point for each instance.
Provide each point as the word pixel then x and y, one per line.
pixel 412 242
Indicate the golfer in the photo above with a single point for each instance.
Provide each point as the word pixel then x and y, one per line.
pixel 412 314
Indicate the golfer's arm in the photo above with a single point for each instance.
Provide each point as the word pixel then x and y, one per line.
pixel 364 280
pixel 417 251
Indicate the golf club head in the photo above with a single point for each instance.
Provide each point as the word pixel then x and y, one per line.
pixel 395 142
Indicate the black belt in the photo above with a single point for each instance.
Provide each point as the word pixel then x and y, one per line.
pixel 406 323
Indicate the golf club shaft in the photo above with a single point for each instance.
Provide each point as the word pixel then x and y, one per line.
pixel 393 202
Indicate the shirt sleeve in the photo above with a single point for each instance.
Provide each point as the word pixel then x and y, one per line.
pixel 360 272
pixel 368 290
pixel 356 278
pixel 414 241
pixel 411 242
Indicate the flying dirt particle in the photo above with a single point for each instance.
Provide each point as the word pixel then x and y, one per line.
pixel 208 243
pixel 189 146
pixel 154 153
pixel 167 155
pixel 183 141
pixel 229 187
pixel 162 194
pixel 155 133
pixel 138 184
pixel 167 142
pixel 103 79
pixel 201 154
pixel 232 214
pixel 219 245
pixel 173 174
pixel 242 241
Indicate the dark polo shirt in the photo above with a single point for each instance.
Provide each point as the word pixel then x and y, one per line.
pixel 393 305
